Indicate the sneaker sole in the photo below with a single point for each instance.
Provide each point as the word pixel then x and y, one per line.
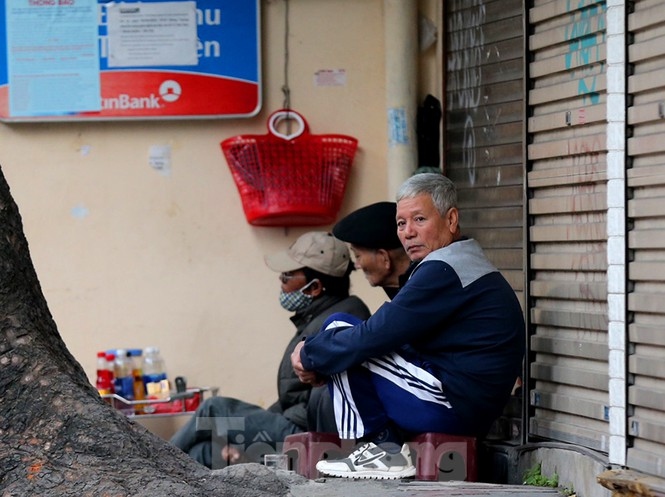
pixel 371 475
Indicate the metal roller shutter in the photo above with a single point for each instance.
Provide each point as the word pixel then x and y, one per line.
pixel 484 130
pixel 646 237
pixel 566 185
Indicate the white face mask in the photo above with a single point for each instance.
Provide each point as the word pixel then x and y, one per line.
pixel 296 301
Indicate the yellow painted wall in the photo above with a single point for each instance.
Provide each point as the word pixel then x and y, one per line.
pixel 129 257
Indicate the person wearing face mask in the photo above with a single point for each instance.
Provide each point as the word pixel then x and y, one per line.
pixel 314 273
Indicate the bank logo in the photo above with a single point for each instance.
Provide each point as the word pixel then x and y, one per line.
pixel 170 90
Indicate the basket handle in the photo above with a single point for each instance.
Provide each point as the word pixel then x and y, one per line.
pixel 281 115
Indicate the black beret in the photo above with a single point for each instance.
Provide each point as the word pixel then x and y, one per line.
pixel 372 226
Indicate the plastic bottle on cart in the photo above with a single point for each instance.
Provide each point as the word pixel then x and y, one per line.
pixel 136 356
pixel 154 374
pixel 104 375
pixel 124 381
pixel 110 361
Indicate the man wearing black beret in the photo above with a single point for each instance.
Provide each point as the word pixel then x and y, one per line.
pixel 371 232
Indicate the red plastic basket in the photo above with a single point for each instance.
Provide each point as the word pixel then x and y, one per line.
pixel 290 180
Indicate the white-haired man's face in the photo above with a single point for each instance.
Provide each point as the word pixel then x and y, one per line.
pixel 421 228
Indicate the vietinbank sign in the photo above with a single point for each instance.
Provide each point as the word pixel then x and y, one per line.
pixel 95 60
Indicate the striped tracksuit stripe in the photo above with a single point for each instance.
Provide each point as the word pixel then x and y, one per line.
pixel 410 379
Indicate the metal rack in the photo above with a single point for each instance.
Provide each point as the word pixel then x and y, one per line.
pixel 149 406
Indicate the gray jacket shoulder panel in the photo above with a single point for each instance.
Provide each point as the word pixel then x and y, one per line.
pixel 467 259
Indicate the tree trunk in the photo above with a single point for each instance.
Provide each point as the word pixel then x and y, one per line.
pixel 57 436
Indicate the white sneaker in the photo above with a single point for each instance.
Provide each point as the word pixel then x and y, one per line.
pixel 371 461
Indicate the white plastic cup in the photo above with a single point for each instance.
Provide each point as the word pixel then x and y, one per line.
pixel 276 461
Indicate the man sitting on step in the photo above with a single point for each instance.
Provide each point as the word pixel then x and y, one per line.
pixel 442 356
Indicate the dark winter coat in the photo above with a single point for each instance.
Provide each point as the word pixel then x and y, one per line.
pixel 456 315
pixel 293 395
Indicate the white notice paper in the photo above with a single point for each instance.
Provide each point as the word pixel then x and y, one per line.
pixel 52 57
pixel 152 34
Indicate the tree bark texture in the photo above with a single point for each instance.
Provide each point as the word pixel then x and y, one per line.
pixel 57 436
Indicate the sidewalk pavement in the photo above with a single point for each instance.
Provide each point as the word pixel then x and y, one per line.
pixel 343 487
